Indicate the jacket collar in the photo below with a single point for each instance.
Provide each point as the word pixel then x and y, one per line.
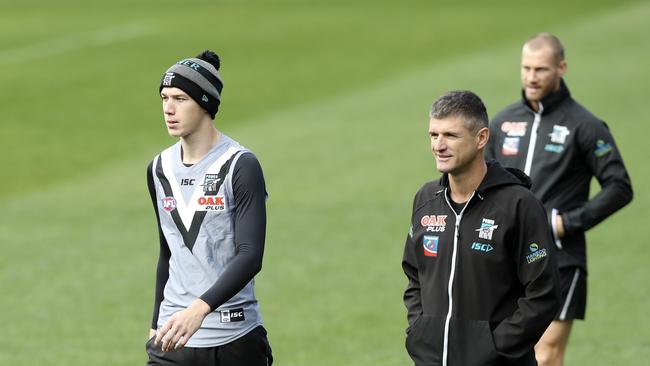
pixel 496 176
pixel 551 101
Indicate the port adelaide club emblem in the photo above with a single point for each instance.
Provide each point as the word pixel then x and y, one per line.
pixel 210 201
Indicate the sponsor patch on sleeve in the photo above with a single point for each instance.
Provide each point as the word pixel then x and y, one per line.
pixel 535 253
pixel 602 148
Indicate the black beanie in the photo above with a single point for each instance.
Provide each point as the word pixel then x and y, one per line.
pixel 199 79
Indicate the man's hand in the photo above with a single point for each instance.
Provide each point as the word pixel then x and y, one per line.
pixel 559 226
pixel 152 333
pixel 181 326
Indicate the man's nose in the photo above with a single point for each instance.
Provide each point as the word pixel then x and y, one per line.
pixel 439 144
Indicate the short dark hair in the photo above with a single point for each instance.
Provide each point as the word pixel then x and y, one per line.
pixel 461 103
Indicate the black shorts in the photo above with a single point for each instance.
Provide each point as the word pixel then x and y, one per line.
pixel 252 349
pixel 573 283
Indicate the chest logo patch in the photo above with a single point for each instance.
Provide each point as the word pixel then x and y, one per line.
pixel 482 247
pixel 210 187
pixel 430 244
pixel 510 146
pixel 169 204
pixel 211 203
pixel 486 229
pixel 514 128
pixel 559 134
pixel 434 223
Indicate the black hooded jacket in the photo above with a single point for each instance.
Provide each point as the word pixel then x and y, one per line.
pixel 566 146
pixel 483 284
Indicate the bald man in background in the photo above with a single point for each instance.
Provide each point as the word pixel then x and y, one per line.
pixel 561 146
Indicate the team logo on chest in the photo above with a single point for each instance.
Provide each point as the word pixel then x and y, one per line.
pixel 486 229
pixel 210 201
pixel 559 134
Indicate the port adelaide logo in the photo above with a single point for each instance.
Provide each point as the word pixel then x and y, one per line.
pixel 210 201
pixel 434 223
pixel 486 229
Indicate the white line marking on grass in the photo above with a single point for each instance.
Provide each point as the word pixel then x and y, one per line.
pixel 74 42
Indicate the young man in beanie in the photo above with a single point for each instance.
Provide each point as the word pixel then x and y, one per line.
pixel 480 262
pixel 208 194
pixel 561 146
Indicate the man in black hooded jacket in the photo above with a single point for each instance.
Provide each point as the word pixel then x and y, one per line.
pixel 482 280
pixel 561 146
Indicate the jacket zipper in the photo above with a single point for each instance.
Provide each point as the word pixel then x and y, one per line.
pixel 450 286
pixel 533 140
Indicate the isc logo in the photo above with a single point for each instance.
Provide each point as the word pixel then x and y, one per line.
pixel 187 182
pixel 234 315
pixel 482 247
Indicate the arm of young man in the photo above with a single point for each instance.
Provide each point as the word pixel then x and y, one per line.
pixel 162 269
pixel 605 161
pixel 250 232
pixel 535 258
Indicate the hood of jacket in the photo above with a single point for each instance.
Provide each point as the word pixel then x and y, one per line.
pixel 496 176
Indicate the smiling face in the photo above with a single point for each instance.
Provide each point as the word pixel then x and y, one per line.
pixel 541 72
pixel 183 116
pixel 455 147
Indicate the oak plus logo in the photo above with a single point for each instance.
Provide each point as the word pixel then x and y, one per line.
pixel 211 203
pixel 514 128
pixel 434 223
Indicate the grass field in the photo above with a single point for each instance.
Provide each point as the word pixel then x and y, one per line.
pixel 333 98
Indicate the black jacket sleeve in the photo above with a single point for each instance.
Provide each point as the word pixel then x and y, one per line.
pixel 412 296
pixel 537 271
pixel 162 270
pixel 250 232
pixel 603 158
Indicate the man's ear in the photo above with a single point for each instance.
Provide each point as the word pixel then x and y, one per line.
pixel 483 136
pixel 562 67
